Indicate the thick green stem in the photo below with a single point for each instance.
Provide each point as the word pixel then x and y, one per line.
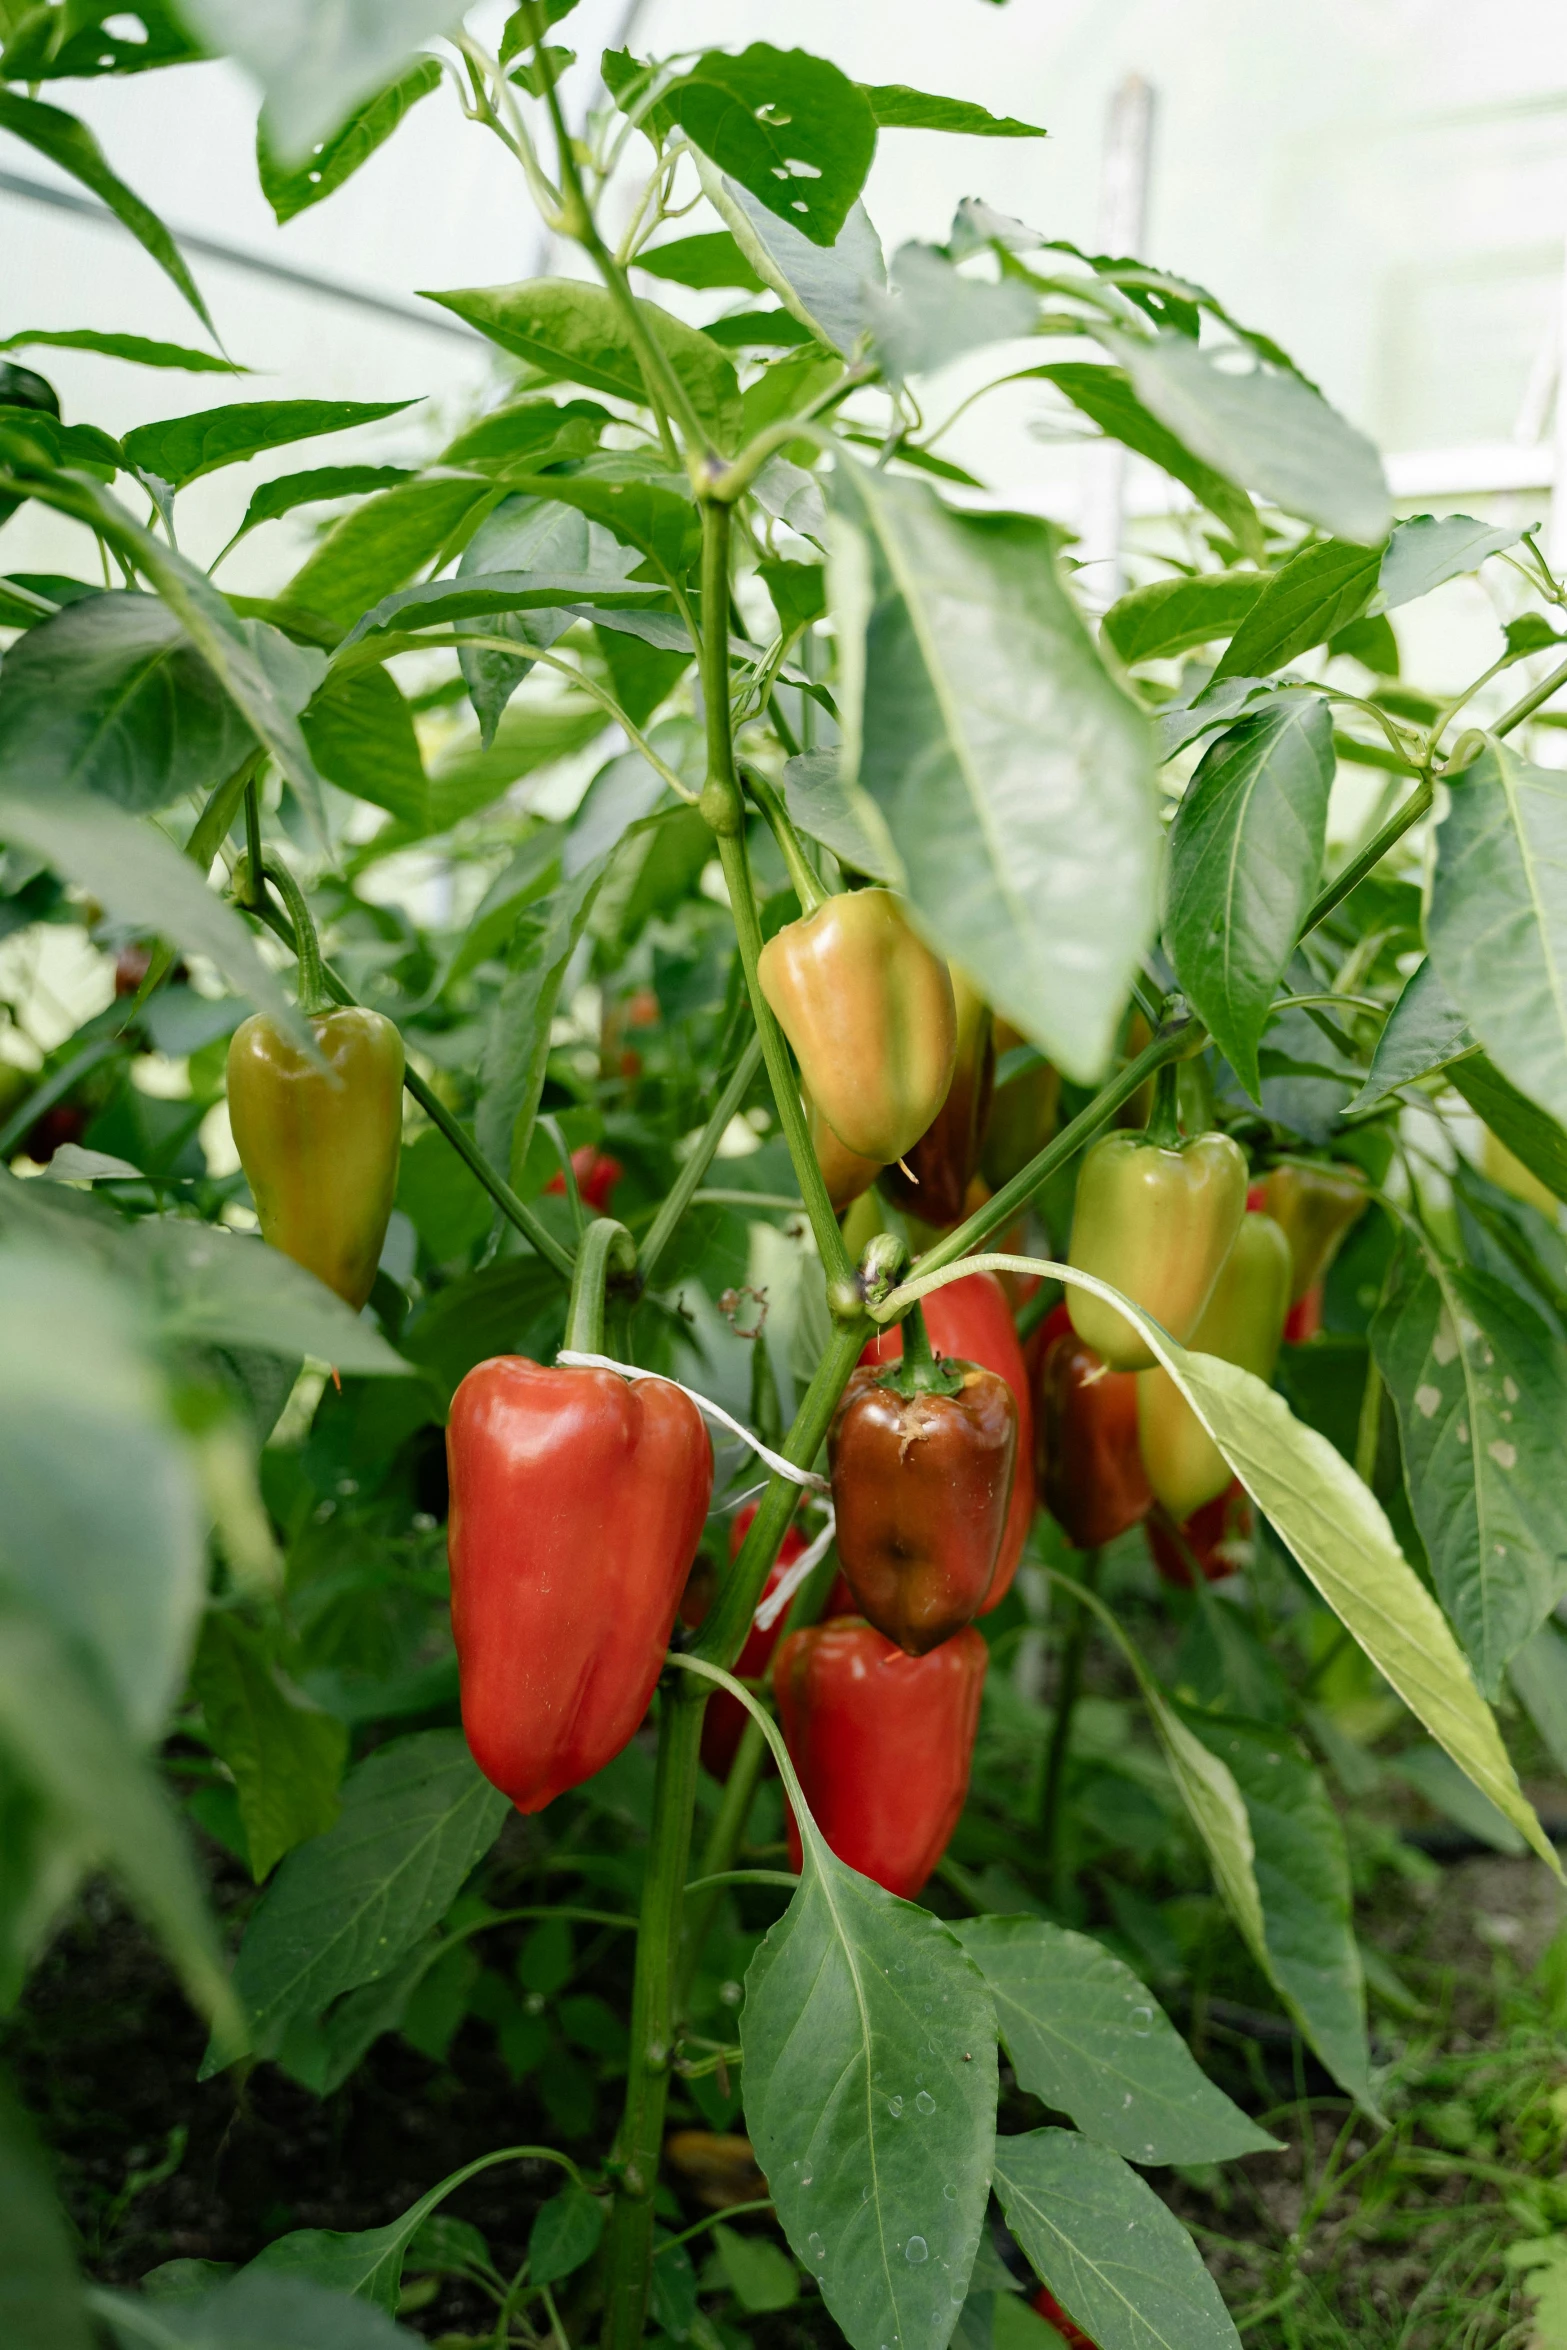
pixel 605 1250
pixel 722 1844
pixel 253 849
pixel 1164 1125
pixel 689 1180
pixel 641 2136
pixel 917 1371
pixel 1417 805
pixel 1059 1751
pixel 807 887
pixel 314 994
pixel 1531 701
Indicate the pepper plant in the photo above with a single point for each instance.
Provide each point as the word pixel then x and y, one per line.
pixel 840 690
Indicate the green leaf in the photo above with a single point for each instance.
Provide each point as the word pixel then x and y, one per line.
pixel 1539 1675
pixel 71 147
pixel 573 332
pixel 1245 859
pixel 897 107
pixel 90 38
pixel 542 536
pixel 440 602
pixel 565 2233
pixel 367 2262
pixel 290 190
pixel 1423 1033
pixel 645 506
pixel 346 1907
pixel 791 129
pixel 1088 2039
pixel 183 448
pixel 1267 429
pixel 820 806
pixel 1497 920
pixel 361 736
pixel 517 1044
pixel 256 2310
pixel 286 1755
pixel 1012 775
pixel 1120 2264
pixel 1372 643
pixel 136 348
pixel 68 1742
pixel 379 545
pixel 1171 615
pixel 1105 395
pixel 1318 592
pixel 826 288
pixel 1428 550
pixel 1525 1128
pixel 1303 1883
pixel 277 498
pixel 705 261
pixel 1436 1777
pixel 40 2292
pixel 317 60
pixel 761 2277
pixel 100 1521
pixel 210 1287
pixel 111 698
pixel 467 778
pixel 931 313
pixel 527 435
pixel 1480 1386
pixel 870 2098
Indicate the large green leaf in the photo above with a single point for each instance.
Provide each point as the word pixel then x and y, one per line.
pixel 825 287
pixel 1171 615
pixel 870 2098
pixel 110 697
pixel 541 535
pixel 1105 395
pixel 1303 1882
pixel 790 128
pixel 63 1734
pixel 361 736
pixel 183 448
pixel 1086 2037
pixel 344 1908
pixel 1422 1034
pixel 317 60
pixel 1529 1133
pixel 644 506
pixel 573 332
pixel 294 189
pixel 1267 429
pixel 1318 592
pixel 322 482
pixel 286 1755
pixel 1007 770
pixel 708 259
pixel 822 807
pixel 40 2292
pixel 1480 1386
pixel 71 147
pixel 1245 860
pixel 1118 2261
pixel 382 543
pixel 139 350
pixel 931 313
pixel 1428 550
pixel 1497 924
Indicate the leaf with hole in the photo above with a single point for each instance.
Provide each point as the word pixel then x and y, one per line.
pixel 293 188
pixel 790 128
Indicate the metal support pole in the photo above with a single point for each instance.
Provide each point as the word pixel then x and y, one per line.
pixel 1122 226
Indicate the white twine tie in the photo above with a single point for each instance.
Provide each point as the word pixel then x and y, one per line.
pixel 807 1478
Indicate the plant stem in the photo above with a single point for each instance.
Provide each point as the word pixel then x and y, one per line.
pixel 807 888
pixel 605 1250
pixel 314 995
pixel 253 849
pixel 723 1841
pixel 516 1211
pixel 1164 1125
pixel 1531 702
pixel 1066 1704
pixel 689 1180
pixel 1369 1431
pixel 1417 805
pixel 641 2136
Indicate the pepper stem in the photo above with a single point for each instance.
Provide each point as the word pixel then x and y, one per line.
pixel 606 1248
pixel 1164 1127
pixel 920 1372
pixel 807 888
pixel 314 994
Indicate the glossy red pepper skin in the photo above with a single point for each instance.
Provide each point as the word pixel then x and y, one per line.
pixel 972 1320
pixel 1218 1537
pixel 1091 1474
pixel 578 1499
pixel 723 1724
pixel 1045 2305
pixel 597 1175
pixel 920 1487
pixel 882 1743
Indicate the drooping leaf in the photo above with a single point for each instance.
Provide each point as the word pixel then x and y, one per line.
pixel 252 2311
pixel 70 146
pixel 790 128
pixel 317 60
pixel 526 435
pixel 1268 430
pixel 361 736
pixel 565 2233
pixel 110 698
pixel 293 189
pixel 183 448
pixel 870 2098
pixel 931 313
pixel 1169 616
pixel 1423 1033
pixel 1428 550
pixel 1245 859
pixel 1497 923
pixel 40 2292
pixel 1480 1386
pixel 897 107
pixel 1118 2261
pixel 1086 2037
pixel 1304 1885
pixel 825 287
pixel 1529 1133
pixel 545 537
pixel 345 1908
pixel 573 332
pixel 1318 592
pixel 1105 395
pixel 140 350
pixel 286 1755
pixel 1012 775
pixel 277 498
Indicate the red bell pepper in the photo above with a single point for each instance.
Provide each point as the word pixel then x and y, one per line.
pixel 882 1743
pixel 1218 1537
pixel 1089 1464
pixel 578 1499
pixel 597 1175
pixel 972 1320
pixel 1045 2305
